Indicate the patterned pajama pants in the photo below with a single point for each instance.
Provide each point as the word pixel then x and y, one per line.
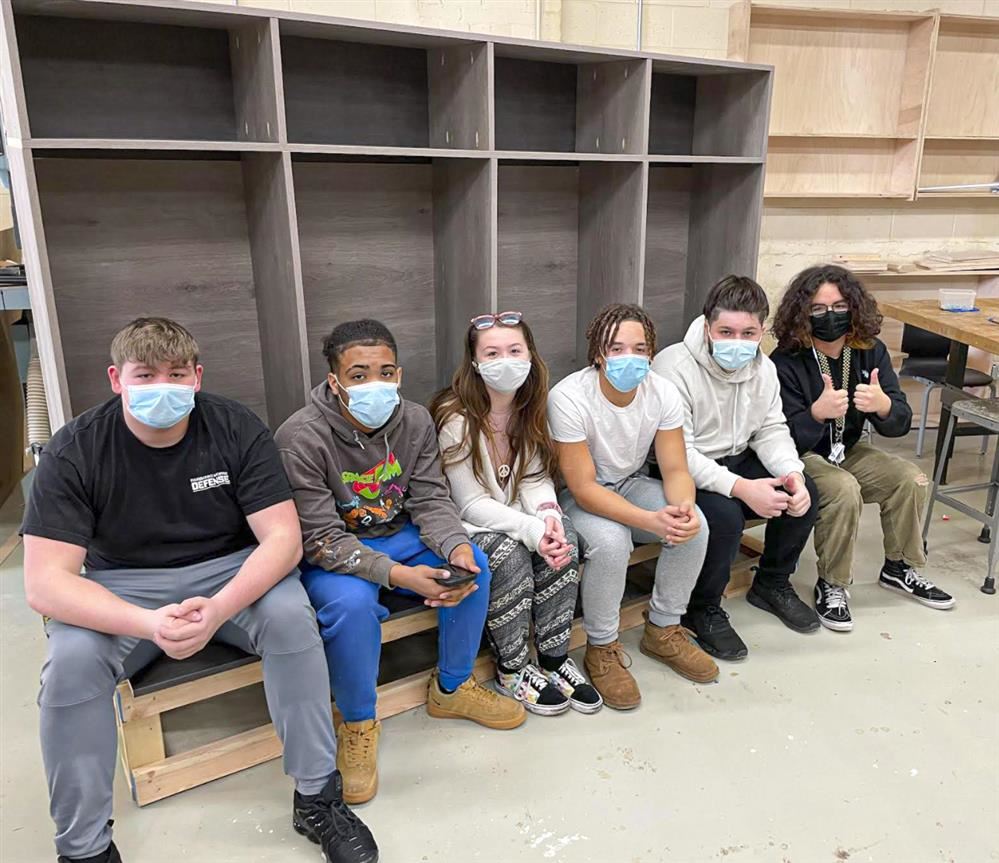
pixel 525 589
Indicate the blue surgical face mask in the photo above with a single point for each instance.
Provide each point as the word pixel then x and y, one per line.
pixel 734 354
pixel 626 372
pixel 371 404
pixel 160 405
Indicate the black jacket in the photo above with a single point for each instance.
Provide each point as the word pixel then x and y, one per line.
pixel 801 385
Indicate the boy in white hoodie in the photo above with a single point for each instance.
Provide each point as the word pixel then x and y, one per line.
pixel 743 461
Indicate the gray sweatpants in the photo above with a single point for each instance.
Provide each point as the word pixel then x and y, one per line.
pixel 609 545
pixel 78 733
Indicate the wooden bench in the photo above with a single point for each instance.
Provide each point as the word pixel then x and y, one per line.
pixel 170 684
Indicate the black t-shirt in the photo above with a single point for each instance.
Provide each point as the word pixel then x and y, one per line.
pixel 134 506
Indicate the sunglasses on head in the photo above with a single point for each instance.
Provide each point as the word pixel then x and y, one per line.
pixel 503 319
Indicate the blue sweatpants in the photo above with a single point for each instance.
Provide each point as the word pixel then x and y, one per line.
pixel 350 618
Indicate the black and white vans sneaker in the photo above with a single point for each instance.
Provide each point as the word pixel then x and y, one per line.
pixel 831 607
pixel 326 820
pixel 903 579
pixel 533 689
pixel 570 682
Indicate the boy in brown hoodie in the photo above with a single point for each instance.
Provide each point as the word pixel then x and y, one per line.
pixel 376 515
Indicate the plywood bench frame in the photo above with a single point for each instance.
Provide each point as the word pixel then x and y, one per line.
pixel 153 775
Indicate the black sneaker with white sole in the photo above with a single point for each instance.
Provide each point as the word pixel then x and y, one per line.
pixel 326 820
pixel 569 680
pixel 714 633
pixel 900 578
pixel 831 606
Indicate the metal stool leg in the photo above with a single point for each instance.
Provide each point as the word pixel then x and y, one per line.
pixel 990 506
pixel 941 467
pixel 923 418
pixel 989 585
pixel 985 437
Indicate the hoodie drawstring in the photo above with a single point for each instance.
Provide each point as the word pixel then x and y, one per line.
pixel 357 439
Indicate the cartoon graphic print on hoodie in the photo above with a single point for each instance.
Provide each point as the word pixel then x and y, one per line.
pixel 349 484
pixel 727 411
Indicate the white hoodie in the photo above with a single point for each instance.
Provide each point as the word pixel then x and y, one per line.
pixel 727 411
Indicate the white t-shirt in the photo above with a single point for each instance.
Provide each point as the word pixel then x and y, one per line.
pixel 618 438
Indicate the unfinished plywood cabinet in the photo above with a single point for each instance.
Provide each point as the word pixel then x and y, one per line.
pixel 849 99
pixel 962 124
pixel 262 175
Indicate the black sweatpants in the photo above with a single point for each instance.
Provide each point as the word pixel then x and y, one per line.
pixel 726 516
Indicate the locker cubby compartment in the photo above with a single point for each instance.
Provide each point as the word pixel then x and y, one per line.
pixel 403 240
pixel 686 223
pixel 394 95
pixel 162 236
pixel 115 79
pixel 567 244
pixel 570 107
pixel 709 114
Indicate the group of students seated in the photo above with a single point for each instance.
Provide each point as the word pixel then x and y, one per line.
pixel 495 506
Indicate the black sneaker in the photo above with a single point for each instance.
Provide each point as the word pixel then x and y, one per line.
pixel 780 600
pixel 907 581
pixel 831 607
pixel 108 855
pixel 326 820
pixel 569 680
pixel 714 633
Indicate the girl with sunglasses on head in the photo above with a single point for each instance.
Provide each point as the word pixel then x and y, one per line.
pixel 500 463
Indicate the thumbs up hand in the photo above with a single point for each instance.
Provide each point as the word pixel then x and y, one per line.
pixel 832 404
pixel 871 399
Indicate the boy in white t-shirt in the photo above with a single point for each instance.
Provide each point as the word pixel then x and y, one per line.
pixel 604 420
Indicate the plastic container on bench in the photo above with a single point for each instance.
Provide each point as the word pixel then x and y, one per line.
pixel 957 299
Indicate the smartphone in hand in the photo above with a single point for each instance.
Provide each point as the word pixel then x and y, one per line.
pixel 459 576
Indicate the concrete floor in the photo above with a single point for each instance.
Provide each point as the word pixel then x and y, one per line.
pixel 879 745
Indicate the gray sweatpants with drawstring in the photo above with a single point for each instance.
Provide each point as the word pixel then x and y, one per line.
pixel 78 732
pixel 610 544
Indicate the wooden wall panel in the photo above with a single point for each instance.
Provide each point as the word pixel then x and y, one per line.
pixel 725 213
pixel 349 93
pixel 821 56
pixel 257 86
pixel 671 122
pixel 964 95
pixel 464 235
pixel 538 249
pixel 460 102
pixel 666 250
pixel 611 107
pixel 277 276
pixel 535 105
pixel 100 79
pixel 159 237
pixel 366 233
pixel 612 210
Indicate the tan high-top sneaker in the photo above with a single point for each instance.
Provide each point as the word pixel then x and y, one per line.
pixel 473 701
pixel 357 759
pixel 673 646
pixel 606 665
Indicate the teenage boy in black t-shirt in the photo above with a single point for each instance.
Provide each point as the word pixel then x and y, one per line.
pixel 176 503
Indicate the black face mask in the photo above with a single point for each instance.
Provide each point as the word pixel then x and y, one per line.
pixel 831 326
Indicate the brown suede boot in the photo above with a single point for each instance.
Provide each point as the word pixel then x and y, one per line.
pixel 357 759
pixel 673 646
pixel 607 665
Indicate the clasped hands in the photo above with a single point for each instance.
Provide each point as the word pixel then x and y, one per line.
pixel 182 629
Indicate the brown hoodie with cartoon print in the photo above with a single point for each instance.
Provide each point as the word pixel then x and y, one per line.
pixel 349 484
